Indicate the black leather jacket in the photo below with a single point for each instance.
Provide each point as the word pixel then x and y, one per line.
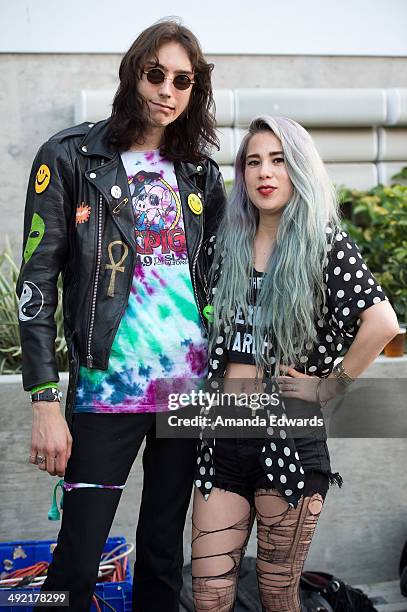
pixel 76 172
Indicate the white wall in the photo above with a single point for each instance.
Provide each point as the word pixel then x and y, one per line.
pixel 290 27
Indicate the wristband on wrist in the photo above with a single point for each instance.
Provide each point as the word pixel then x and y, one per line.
pixel 48 385
pixel 49 394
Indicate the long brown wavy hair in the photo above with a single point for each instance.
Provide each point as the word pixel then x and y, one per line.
pixel 190 137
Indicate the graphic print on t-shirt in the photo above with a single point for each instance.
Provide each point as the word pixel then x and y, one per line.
pixel 160 344
pixel 242 345
pixel 160 235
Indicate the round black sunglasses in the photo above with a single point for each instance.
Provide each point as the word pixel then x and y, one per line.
pixel 157 76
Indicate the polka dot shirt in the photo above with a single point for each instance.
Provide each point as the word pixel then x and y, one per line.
pixel 350 288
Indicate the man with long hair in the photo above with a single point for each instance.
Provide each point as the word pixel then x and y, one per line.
pixel 122 208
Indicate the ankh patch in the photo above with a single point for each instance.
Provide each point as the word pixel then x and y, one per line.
pixel 115 266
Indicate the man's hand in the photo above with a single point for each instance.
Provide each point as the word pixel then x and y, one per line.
pixel 50 438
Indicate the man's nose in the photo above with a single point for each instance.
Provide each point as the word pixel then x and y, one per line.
pixel 165 88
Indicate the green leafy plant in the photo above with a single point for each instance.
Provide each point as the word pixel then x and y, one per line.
pixel 402 175
pixel 379 226
pixel 10 349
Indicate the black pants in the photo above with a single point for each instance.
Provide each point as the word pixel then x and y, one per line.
pixel 103 451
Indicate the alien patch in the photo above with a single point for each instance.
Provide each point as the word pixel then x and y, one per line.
pixel 35 236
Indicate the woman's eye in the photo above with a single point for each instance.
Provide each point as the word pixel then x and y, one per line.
pixel 252 162
pixel 278 160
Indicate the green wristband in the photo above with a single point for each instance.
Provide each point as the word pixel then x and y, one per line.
pixel 48 385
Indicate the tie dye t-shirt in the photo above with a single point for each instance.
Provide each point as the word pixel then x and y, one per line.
pixel 160 342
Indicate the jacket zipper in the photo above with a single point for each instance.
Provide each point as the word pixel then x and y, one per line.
pixel 205 283
pixel 194 263
pixel 89 356
pixel 194 275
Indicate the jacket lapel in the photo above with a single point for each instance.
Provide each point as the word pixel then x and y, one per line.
pixel 111 181
pixel 193 222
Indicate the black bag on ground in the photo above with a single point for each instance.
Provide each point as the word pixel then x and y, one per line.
pixel 342 597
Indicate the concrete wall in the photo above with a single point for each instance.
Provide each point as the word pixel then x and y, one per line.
pixel 37 94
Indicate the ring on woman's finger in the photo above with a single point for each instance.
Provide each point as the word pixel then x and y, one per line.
pixel 40 459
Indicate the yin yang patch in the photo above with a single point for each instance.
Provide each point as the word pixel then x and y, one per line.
pixel 31 302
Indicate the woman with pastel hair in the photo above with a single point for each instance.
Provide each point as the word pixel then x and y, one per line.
pixel 291 294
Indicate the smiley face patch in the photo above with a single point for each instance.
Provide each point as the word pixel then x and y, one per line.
pixel 195 203
pixel 42 178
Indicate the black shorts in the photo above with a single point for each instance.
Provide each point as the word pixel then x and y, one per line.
pixel 238 468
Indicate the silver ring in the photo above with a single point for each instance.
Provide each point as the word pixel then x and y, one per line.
pixel 40 459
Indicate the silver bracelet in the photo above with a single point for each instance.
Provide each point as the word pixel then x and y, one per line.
pixel 317 392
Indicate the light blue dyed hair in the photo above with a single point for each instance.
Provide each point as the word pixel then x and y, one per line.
pixel 292 293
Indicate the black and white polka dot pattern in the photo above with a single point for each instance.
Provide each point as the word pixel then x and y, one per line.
pixel 350 288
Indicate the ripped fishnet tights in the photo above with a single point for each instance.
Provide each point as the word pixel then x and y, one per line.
pixel 220 532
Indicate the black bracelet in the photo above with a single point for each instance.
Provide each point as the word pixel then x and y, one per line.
pixel 51 394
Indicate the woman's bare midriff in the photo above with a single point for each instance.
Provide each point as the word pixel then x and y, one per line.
pixel 240 370
pixel 241 377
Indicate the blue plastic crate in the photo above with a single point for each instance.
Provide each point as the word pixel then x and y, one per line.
pixel 17 555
